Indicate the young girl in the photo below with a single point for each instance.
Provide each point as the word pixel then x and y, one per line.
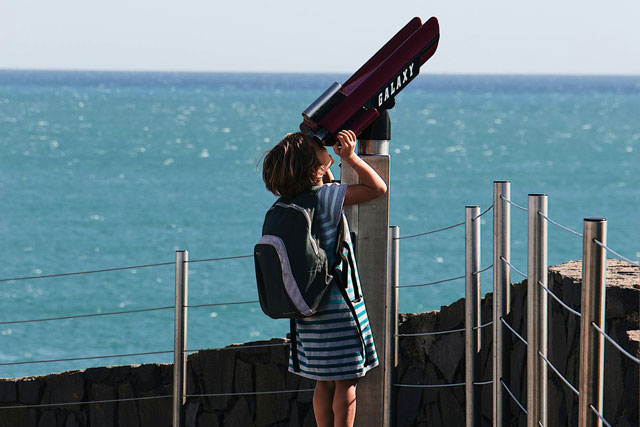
pixel 330 348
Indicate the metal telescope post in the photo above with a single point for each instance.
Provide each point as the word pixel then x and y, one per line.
pixel 370 223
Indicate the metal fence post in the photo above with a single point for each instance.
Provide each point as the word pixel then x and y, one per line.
pixel 180 338
pixel 472 313
pixel 537 311
pixel 394 276
pixel 501 283
pixel 594 266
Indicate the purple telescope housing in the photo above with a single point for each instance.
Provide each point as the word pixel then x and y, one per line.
pixel 358 102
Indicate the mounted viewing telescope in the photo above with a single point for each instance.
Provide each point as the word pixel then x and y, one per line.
pixel 358 102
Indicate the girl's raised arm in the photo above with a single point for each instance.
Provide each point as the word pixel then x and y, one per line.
pixel 372 185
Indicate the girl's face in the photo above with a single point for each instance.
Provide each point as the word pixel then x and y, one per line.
pixel 325 159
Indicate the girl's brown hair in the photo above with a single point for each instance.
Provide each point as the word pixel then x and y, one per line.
pixel 291 166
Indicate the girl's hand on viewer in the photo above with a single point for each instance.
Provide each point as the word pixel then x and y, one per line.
pixel 371 184
pixel 345 148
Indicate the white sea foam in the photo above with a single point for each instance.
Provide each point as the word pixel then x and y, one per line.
pixel 168 162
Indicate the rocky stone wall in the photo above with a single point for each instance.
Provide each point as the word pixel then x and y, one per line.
pixel 262 367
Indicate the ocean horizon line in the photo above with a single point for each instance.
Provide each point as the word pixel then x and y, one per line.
pixel 306 73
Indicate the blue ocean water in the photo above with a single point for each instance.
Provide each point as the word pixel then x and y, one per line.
pixel 102 170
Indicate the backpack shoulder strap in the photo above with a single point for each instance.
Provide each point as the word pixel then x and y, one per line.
pixel 343 290
pixel 293 341
pixel 344 242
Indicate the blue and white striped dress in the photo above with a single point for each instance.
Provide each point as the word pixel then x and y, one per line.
pixel 328 343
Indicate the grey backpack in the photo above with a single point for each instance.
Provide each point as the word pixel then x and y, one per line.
pixel 291 267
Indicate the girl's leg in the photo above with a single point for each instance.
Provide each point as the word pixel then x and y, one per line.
pixel 344 403
pixel 322 400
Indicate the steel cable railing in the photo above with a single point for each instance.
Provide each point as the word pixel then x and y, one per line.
pixel 431 232
pixel 217 304
pixel 193 261
pixel 239 347
pixel 443 228
pixel 420 334
pixel 599 415
pixel 513 267
pixel 249 393
pixel 562 377
pixel 608 249
pixel 615 344
pixel 513 397
pixel 88 402
pixel 483 326
pixel 513 203
pixel 71 359
pixel 132 267
pixel 104 270
pixel 559 301
pixel 560 225
pixel 431 283
pixel 481 214
pixel 440 385
pixel 475 273
pixel 513 331
pixel 79 316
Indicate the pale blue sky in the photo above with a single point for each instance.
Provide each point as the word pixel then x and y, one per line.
pixel 488 36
